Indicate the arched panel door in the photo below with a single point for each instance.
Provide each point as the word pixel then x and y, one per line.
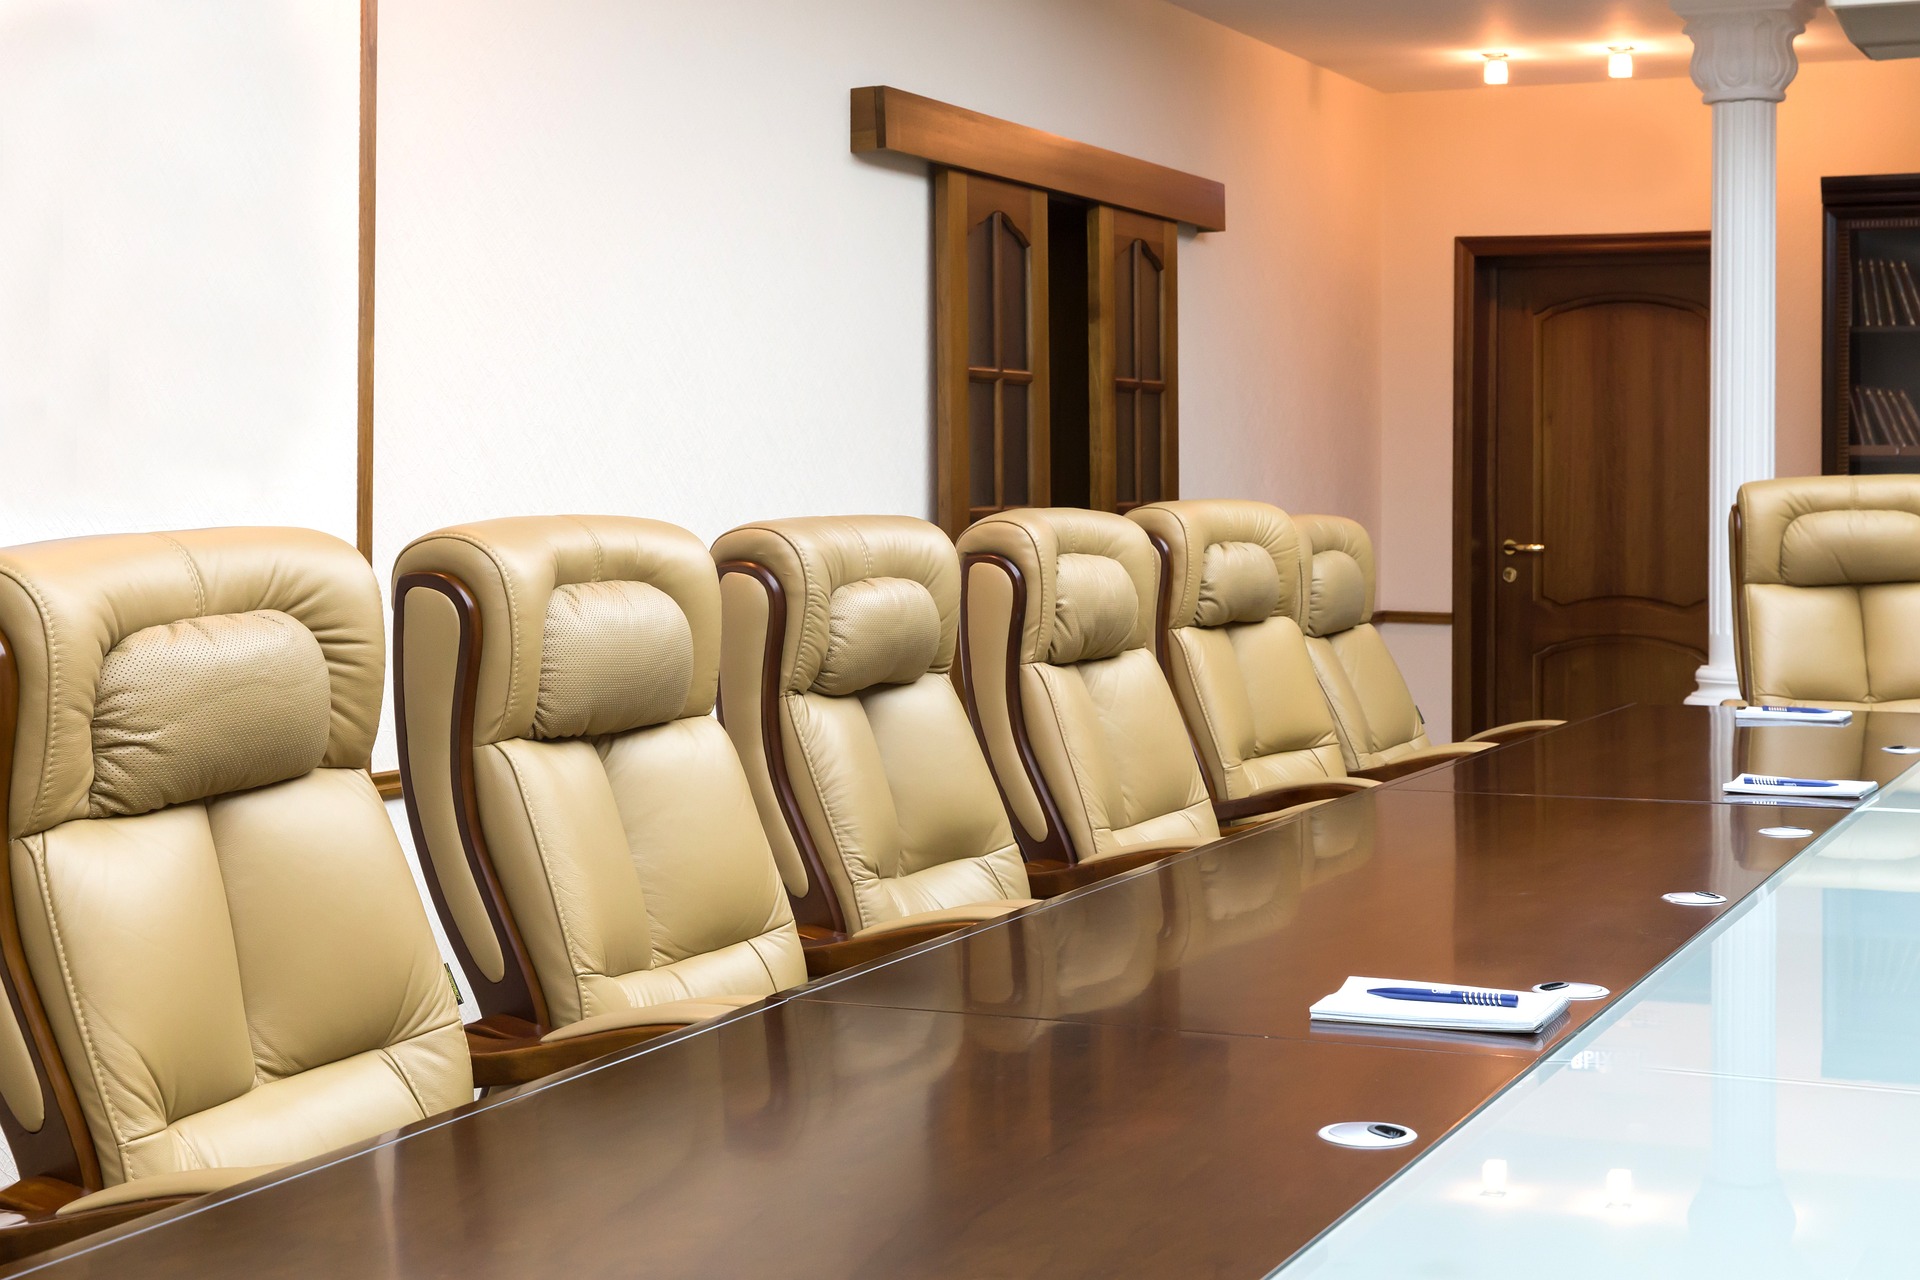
pixel 1134 359
pixel 1599 551
pixel 990 340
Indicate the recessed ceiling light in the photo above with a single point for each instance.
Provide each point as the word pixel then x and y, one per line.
pixel 1620 62
pixel 1495 69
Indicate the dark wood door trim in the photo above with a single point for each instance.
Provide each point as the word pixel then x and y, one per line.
pixel 1476 262
pixel 887 119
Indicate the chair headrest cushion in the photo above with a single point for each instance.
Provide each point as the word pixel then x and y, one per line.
pixel 1071 562
pixel 856 591
pixel 1228 560
pixel 1094 609
pixel 162 668
pixel 589 624
pixel 205 706
pixel 879 631
pixel 1824 531
pixel 1239 582
pixel 1831 548
pixel 1340 593
pixel 614 656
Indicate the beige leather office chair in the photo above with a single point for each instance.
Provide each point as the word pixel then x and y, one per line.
pixel 836 687
pixel 1382 733
pixel 1232 578
pixel 591 844
pixel 1080 726
pixel 215 960
pixel 1826 591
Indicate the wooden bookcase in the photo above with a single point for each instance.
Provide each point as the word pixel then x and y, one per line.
pixel 1871 419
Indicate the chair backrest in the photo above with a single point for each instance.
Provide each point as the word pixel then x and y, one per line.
pixel 1079 723
pixel 837 688
pixel 1230 640
pixel 214 952
pixel 590 836
pixel 1372 706
pixel 1826 584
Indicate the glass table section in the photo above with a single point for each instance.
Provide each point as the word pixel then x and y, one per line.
pixel 1752 1108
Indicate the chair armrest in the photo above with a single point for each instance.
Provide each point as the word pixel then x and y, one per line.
pixel 1424 759
pixel 958 917
pixel 1049 879
pixel 507 1050
pixel 667 1015
pixel 1289 797
pixel 170 1187
pixel 1514 732
pixel 829 952
pixel 37 1214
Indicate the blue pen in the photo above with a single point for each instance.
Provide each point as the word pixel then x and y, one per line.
pixel 1488 999
pixel 1755 780
pixel 1800 711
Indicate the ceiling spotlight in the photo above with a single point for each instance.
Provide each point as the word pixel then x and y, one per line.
pixel 1620 62
pixel 1495 70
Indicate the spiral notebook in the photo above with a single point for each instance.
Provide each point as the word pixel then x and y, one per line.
pixel 1351 1003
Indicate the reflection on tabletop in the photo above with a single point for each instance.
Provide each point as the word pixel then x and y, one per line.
pixel 1753 1110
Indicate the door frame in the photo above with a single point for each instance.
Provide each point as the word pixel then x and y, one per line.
pixel 1476 264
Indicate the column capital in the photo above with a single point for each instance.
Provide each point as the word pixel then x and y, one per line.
pixel 1743 49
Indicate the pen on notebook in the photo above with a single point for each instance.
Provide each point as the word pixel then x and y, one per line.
pixel 1756 780
pixel 1489 999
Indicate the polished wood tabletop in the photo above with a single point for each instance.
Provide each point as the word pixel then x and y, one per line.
pixel 1122 1082
pixel 1679 753
pixel 1240 938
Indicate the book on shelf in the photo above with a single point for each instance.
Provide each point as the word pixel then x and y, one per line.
pixel 1909 290
pixel 1889 293
pixel 1884 416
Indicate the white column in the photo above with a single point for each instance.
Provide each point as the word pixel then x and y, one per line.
pixel 1743 61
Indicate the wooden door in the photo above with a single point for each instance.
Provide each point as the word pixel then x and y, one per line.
pixel 990 343
pixel 1597 550
pixel 1133 359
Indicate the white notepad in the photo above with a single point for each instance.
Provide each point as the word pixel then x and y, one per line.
pixel 1791 715
pixel 1351 1003
pixel 1766 784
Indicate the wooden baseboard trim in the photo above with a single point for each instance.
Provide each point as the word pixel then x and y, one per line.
pixel 1418 617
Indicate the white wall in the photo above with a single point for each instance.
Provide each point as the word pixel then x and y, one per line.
pixel 179 187
pixel 628 264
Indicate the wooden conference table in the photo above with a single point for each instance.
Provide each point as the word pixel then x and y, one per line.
pixel 1122 1082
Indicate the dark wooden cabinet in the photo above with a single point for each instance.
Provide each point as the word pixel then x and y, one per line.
pixel 1870 421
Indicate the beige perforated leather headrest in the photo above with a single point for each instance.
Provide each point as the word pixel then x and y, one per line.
pixel 1229 560
pixel 161 668
pixel 1340 590
pixel 1090 578
pixel 1822 531
pixel 870 600
pixel 589 624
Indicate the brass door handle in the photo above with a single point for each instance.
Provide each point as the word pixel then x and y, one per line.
pixel 1512 548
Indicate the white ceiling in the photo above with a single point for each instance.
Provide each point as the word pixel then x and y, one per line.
pixel 1405 45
